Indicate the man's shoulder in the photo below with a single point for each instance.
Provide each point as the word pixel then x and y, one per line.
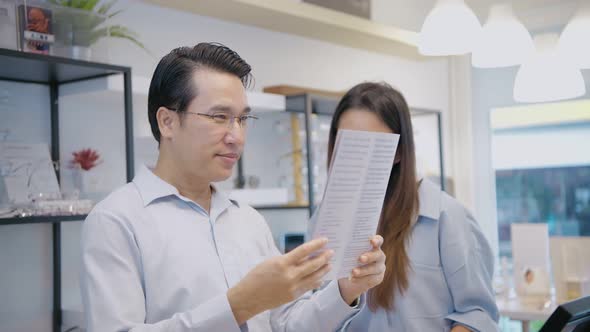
pixel 121 201
pixel 114 214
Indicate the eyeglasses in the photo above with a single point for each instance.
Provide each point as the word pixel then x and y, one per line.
pixel 224 119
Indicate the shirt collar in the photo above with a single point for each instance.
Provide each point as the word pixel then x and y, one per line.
pixel 429 195
pixel 152 187
pixel 220 201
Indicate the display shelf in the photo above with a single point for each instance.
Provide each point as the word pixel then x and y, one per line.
pixel 55 73
pixel 40 219
pixel 25 67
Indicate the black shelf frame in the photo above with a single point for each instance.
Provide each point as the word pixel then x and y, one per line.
pixel 52 71
pixel 41 219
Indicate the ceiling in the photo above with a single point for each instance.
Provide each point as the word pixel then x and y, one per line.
pixel 537 15
pixel 398 21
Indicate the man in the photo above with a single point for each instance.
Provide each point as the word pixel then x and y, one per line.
pixel 170 252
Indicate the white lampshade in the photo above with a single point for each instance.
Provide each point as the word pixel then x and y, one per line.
pixel 451 28
pixel 504 40
pixel 575 37
pixel 547 75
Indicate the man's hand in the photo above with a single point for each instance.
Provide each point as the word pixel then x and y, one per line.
pixel 367 276
pixel 279 280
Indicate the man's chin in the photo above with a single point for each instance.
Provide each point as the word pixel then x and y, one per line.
pixel 222 175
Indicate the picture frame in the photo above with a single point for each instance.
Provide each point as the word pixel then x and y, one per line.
pixel 35 29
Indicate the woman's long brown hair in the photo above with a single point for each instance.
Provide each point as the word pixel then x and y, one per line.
pixel 401 199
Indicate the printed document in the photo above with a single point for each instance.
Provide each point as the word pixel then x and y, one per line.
pixel 351 207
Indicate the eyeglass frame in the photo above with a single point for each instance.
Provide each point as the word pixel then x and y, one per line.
pixel 230 122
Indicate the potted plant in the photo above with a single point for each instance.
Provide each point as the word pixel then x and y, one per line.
pixel 79 24
pixel 81 163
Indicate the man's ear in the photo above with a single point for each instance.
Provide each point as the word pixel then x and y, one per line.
pixel 166 121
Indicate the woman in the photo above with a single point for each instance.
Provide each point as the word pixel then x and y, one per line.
pixel 439 264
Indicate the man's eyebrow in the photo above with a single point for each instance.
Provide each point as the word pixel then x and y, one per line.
pixel 221 108
pixel 227 109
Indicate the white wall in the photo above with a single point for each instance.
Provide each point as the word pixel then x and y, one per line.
pixel 277 58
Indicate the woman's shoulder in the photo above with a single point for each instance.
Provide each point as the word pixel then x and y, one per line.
pixel 453 217
pixel 453 207
pixel 436 202
pixel 458 226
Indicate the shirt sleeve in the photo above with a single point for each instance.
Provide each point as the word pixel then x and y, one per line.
pixel 324 310
pixel 112 285
pixel 468 265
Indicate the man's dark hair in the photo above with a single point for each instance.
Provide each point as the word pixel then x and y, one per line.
pixel 172 85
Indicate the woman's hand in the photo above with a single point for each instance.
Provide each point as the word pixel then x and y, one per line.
pixel 367 276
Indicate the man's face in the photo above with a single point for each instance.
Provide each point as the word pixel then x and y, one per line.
pixel 203 147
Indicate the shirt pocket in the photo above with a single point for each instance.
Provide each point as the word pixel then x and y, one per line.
pixel 423 246
pixel 427 295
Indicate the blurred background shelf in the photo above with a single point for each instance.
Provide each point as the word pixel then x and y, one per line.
pixel 25 67
pixel 110 89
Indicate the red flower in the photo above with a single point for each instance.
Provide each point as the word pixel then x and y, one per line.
pixel 85 159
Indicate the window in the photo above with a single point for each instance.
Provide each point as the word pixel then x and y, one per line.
pixel 541 159
pixel 558 196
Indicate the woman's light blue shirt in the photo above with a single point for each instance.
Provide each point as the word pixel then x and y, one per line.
pixel 450 281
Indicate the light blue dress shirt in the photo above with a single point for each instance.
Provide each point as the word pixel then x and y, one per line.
pixel 153 260
pixel 450 281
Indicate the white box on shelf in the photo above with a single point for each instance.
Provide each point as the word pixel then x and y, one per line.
pixel 259 197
